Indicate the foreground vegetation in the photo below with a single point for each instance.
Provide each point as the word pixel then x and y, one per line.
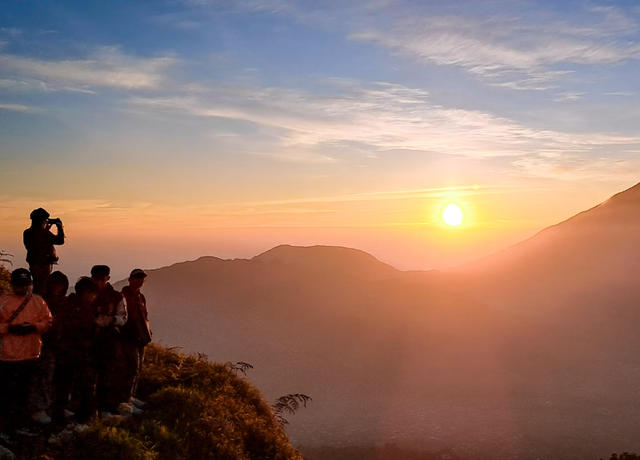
pixel 196 410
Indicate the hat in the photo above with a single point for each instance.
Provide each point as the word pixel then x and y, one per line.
pixel 39 215
pixel 100 271
pixel 21 277
pixel 138 273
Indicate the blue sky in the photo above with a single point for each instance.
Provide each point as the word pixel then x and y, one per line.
pixel 276 110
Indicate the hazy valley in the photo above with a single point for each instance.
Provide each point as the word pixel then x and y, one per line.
pixel 531 352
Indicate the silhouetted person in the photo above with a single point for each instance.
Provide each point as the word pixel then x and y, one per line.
pixel 136 334
pixel 43 392
pixel 110 313
pixel 39 242
pixel 75 330
pixel 24 316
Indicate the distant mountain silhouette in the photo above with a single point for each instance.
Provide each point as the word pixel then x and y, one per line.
pixel 530 352
pixel 593 253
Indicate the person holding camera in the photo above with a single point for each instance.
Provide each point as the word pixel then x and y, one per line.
pixel 24 317
pixel 40 243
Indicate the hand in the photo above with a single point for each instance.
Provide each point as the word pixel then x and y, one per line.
pixel 22 329
pixel 103 321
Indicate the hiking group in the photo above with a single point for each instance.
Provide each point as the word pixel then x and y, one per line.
pixel 66 359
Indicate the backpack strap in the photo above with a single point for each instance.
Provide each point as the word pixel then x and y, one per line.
pixel 20 308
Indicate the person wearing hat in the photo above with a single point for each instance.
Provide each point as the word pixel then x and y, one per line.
pixel 136 334
pixel 40 243
pixel 110 314
pixel 24 317
pixel 74 328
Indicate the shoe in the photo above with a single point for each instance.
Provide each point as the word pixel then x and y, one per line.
pixel 41 417
pixel 129 409
pixel 29 432
pixel 111 419
pixel 78 427
pixel 136 402
pixel 57 438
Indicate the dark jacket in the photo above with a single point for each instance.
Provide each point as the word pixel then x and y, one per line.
pixel 57 305
pixel 39 243
pixel 109 303
pixel 136 329
pixel 112 304
pixel 74 330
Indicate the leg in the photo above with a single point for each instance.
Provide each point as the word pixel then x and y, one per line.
pixel 40 275
pixel 131 356
pixel 42 386
pixel 63 381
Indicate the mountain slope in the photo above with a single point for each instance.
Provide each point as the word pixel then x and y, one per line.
pixel 487 358
pixel 594 255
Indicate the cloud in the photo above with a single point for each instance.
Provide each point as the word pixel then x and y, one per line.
pixel 575 166
pixel 509 44
pixel 14 107
pixel 107 67
pixel 511 52
pixel 621 93
pixel 355 116
pixel 31 85
pixel 568 97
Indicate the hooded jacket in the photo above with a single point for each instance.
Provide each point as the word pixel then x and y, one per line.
pixel 22 347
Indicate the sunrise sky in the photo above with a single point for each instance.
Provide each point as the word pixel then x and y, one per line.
pixel 160 131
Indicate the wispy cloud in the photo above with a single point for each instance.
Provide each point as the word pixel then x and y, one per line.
pixel 376 117
pixel 31 85
pixel 574 167
pixel 568 97
pixel 106 67
pixel 516 52
pixel 507 44
pixel 14 107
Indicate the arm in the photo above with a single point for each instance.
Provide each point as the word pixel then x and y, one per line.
pixel 59 238
pixel 121 313
pixel 44 319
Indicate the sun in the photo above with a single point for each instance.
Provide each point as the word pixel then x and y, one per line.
pixel 452 215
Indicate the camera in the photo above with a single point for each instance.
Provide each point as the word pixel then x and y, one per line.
pixel 55 221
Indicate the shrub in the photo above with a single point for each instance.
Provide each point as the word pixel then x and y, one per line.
pixel 106 443
pixel 5 278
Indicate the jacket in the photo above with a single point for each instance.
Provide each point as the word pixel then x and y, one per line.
pixel 22 347
pixel 39 244
pixel 74 331
pixel 111 303
pixel 136 328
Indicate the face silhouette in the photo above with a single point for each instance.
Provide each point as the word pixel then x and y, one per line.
pixel 137 282
pixel 102 281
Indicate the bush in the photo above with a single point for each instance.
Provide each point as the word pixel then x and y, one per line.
pixel 106 443
pixel 5 281
pixel 196 410
pixel 206 411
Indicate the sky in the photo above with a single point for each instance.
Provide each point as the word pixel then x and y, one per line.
pixel 161 131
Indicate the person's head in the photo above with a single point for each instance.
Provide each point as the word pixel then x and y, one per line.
pixel 21 281
pixel 87 290
pixel 39 217
pixel 57 284
pixel 137 279
pixel 101 274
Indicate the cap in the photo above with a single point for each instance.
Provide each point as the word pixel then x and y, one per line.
pixel 39 215
pixel 138 273
pixel 21 277
pixel 99 271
